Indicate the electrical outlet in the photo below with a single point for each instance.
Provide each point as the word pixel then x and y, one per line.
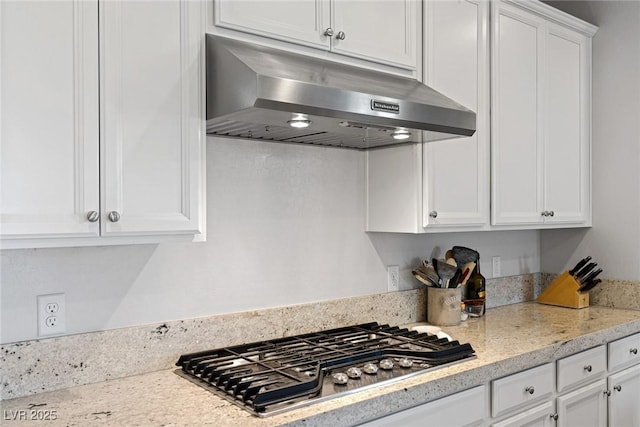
pixel 495 263
pixel 51 314
pixel 393 278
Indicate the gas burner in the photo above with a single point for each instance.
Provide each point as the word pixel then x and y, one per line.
pixel 405 362
pixel 386 364
pixel 354 373
pixel 340 378
pixel 274 376
pixel 370 368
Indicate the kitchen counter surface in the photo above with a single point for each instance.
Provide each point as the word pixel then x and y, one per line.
pixel 507 340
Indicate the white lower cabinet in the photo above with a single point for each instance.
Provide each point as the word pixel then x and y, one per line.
pixel 522 390
pixel 624 401
pixel 540 416
pixel 585 407
pixel 624 385
pixel 597 387
pixel 466 408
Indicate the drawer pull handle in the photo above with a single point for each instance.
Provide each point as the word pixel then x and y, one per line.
pixel 634 351
pixel 530 389
pixel 618 388
pixel 554 417
pixel 607 392
pixel 587 368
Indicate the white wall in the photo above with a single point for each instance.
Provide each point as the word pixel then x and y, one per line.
pixel 285 226
pixel 614 240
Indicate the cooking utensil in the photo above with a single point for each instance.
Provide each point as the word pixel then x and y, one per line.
pixel 446 273
pixel 470 266
pixel 436 265
pixel 590 285
pixel 465 275
pixel 422 279
pixel 429 278
pixel 453 283
pixel 579 265
pixel 464 255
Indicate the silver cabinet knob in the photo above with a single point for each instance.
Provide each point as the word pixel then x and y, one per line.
pixel 618 388
pixel 341 35
pixel 588 368
pixel 633 350
pixel 328 32
pixel 93 216
pixel 433 214
pixel 607 392
pixel 113 216
pixel 530 389
pixel 544 213
pixel 551 213
pixel 554 417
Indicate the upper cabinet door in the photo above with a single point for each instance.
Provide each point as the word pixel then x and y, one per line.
pixel 457 64
pixel 300 21
pixel 567 111
pixel 516 145
pixel 48 118
pixel 151 121
pixel 384 31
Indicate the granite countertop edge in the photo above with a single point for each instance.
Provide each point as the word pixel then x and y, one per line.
pixel 508 339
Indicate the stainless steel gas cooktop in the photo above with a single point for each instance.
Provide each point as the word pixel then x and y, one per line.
pixel 269 377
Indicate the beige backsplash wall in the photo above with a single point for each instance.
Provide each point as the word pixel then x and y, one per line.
pixel 285 226
pixel 36 366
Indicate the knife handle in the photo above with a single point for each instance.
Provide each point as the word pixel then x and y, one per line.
pixel 585 270
pixel 589 286
pixel 579 265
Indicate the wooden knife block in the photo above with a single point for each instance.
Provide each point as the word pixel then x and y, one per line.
pixel 563 292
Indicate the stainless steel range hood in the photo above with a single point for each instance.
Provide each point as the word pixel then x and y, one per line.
pixel 268 94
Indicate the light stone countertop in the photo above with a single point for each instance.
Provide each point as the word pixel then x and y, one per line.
pixel 507 340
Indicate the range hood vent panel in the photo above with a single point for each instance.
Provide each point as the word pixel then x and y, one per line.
pixel 253 91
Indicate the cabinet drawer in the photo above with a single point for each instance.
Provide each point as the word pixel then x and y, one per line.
pixel 466 408
pixel 624 352
pixel 581 368
pixel 521 390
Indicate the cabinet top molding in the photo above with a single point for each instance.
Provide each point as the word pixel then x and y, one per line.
pixel 556 15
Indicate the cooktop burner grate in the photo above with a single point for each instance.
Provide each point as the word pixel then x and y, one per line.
pixel 272 376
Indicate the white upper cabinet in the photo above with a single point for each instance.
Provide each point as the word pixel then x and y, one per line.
pixel 48 118
pixel 384 31
pixel 151 119
pixel 302 21
pixel 443 185
pixel 100 154
pixel 457 64
pixel 541 62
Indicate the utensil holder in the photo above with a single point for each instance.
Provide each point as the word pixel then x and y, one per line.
pixel 443 306
pixel 563 292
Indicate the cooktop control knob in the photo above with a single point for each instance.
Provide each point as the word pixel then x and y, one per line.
pixel 354 372
pixel 405 362
pixel 340 378
pixel 370 368
pixel 386 364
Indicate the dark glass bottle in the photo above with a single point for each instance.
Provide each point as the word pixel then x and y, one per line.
pixel 475 293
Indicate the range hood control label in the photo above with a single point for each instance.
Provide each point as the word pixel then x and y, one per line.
pixel 385 106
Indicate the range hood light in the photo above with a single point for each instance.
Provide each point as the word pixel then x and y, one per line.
pixel 400 135
pixel 299 121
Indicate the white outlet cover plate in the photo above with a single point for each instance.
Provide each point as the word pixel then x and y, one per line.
pixel 60 316
pixel 393 278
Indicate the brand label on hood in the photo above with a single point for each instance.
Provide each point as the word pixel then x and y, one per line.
pixel 385 106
